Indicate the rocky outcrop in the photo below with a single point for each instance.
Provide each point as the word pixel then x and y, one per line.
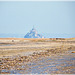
pixel 33 34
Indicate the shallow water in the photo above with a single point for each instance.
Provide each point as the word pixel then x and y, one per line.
pixel 5 44
pixel 53 65
pixel 60 64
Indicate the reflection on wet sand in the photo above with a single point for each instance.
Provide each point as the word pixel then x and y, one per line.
pixel 41 58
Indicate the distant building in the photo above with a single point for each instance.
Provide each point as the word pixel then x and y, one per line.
pixel 33 34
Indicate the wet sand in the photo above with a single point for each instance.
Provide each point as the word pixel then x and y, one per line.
pixel 41 57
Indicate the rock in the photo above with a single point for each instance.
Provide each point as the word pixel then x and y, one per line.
pixel 33 34
pixel 73 52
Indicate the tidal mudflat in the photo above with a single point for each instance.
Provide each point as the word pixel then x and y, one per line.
pixel 36 56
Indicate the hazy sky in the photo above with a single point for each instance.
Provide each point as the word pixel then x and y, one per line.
pixel 47 17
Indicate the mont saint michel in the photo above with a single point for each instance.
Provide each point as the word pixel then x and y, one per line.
pixel 33 34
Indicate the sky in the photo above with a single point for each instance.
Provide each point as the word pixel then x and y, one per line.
pixel 52 17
